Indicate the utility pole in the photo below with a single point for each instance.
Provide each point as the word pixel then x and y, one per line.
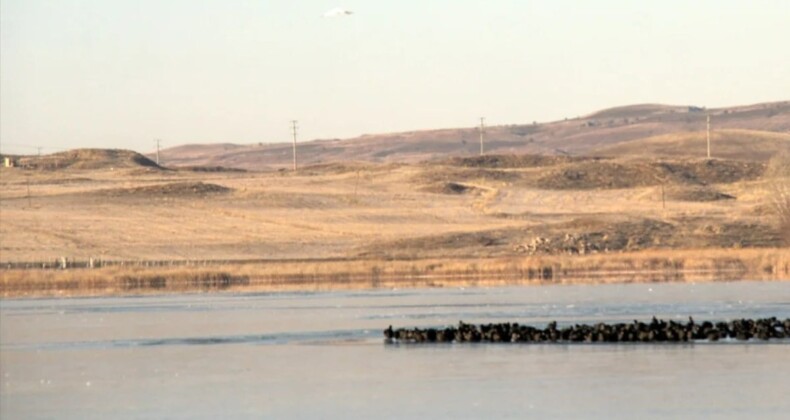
pixel 293 131
pixel 39 151
pixel 482 134
pixel 157 151
pixel 708 134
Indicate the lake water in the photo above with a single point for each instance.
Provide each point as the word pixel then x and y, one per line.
pixel 322 355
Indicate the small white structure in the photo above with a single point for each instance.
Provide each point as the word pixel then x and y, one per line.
pixel 8 162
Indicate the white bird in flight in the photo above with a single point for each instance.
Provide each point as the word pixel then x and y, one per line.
pixel 338 11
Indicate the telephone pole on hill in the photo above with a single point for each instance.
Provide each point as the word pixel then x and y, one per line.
pixel 157 151
pixel 482 134
pixel 293 131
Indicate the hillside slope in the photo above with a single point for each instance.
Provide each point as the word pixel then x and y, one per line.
pixel 87 159
pixel 726 143
pixel 615 132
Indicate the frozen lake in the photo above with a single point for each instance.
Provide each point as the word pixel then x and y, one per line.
pixel 322 355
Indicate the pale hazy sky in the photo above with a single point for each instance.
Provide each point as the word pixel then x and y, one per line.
pixel 120 73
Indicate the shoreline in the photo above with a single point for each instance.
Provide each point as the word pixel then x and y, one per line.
pixel 653 266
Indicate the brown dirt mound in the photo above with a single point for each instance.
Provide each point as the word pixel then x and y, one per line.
pixel 584 236
pixel 595 235
pixel 88 159
pixel 443 174
pixel 456 244
pixel 211 169
pixel 713 171
pixel 733 234
pixel 588 175
pixel 514 161
pixel 699 194
pixel 630 174
pixel 577 237
pixel 451 188
pixel 343 168
pixel 62 181
pixel 175 189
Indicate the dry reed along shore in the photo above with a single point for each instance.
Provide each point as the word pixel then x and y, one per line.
pixel 314 275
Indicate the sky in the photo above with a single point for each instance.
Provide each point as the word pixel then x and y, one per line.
pixel 122 73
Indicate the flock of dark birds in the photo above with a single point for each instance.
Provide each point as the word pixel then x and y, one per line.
pixel 635 332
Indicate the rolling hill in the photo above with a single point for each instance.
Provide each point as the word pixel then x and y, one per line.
pixel 87 159
pixel 753 132
pixel 725 143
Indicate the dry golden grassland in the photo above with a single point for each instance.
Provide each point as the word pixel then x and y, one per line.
pixel 379 225
pixel 726 142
